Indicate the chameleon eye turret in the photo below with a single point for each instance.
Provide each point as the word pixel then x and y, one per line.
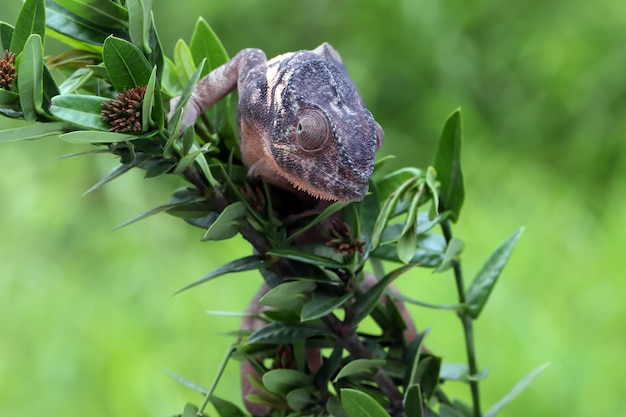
pixel 313 130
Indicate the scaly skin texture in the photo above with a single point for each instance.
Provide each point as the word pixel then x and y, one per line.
pixel 302 123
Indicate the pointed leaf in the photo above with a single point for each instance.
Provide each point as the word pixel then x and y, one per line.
pixel 305 257
pixel 126 64
pixel 453 250
pixel 117 172
pixel 92 136
pixel 30 79
pixel 154 210
pixel 33 131
pixel 227 224
pixel 366 302
pixel 517 389
pixel 226 408
pixel 102 12
pixel 322 304
pixel 31 21
pixel 281 381
pixel 288 295
pixel 359 404
pixel 406 246
pixel 413 402
pixel 327 212
pixel 80 110
pixel 359 367
pixel 300 398
pixel 247 263
pixel 6 33
pixel 139 19
pixel 189 384
pixel 486 279
pixel 286 332
pixel 448 166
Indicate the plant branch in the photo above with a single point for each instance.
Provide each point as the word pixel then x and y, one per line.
pixel 466 321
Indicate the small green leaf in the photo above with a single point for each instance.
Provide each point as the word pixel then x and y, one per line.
pixel 81 110
pixel 139 23
pixel 300 398
pixel 126 64
pixel 191 410
pixel 31 21
pixel 189 384
pixel 115 173
pixel 448 166
pixel 322 304
pixel 227 224
pixel 33 131
pixel 366 302
pixel 185 65
pixel 226 408
pixel 327 212
pixel 413 402
pixel 482 285
pixel 453 250
pixel 406 246
pixel 148 102
pixel 281 381
pixel 305 257
pixel 431 183
pixel 247 263
pixel 102 12
pixel 392 181
pixel 334 407
pixel 91 136
pixel 359 404
pixel 359 367
pixel 454 372
pixel 76 32
pixel 30 79
pixel 6 33
pixel 288 295
pixel 387 210
pixel 158 209
pixel 427 374
pixel 286 332
pixel 429 252
pixel 517 390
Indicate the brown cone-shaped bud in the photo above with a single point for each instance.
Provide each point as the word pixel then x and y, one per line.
pixel 124 114
pixel 7 70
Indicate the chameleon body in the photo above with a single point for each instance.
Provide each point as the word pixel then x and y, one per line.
pixel 302 123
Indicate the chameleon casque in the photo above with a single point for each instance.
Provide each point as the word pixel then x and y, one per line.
pixel 302 123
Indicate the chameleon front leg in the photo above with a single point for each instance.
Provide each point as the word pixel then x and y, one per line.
pixel 218 83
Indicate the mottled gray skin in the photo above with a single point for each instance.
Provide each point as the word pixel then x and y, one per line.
pixel 301 121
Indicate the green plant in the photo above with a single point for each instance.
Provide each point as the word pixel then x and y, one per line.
pixel 303 347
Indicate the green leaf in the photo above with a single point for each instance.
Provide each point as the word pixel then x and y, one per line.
pixel 448 166
pixel 227 224
pixel 431 183
pixel 6 34
pixel 191 410
pixel 33 131
pixel 76 32
pixel 482 285
pixel 281 381
pixel 185 65
pixel 247 263
pixel 226 408
pixel 327 212
pixel 392 181
pixel 406 246
pixel 174 122
pixel 413 402
pixel 189 384
pixel 115 173
pixel 334 407
pixel 155 210
pixel 300 398
pixel 427 374
pixel 453 250
pixel 288 295
pixel 80 110
pixel 366 302
pixel 359 404
pixel 322 304
pixel 429 252
pixel 359 367
pixel 30 79
pixel 387 210
pixel 152 109
pixel 305 257
pixel 126 64
pixel 517 389
pixel 102 12
pixel 31 21
pixel 140 23
pixel 454 372
pixel 286 332
pixel 446 411
pixel 91 136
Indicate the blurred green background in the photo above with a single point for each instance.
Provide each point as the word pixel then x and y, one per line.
pixel 87 321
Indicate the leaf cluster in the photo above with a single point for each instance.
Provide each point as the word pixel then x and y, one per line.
pixel 311 356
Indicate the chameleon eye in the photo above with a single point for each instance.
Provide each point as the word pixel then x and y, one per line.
pixel 313 130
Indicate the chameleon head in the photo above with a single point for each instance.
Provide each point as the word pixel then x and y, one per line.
pixel 325 139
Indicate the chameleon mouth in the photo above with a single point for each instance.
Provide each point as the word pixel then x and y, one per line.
pixel 320 184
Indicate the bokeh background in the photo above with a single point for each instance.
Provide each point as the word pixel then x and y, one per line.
pixel 87 320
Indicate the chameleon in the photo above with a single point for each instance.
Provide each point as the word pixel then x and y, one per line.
pixel 301 121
